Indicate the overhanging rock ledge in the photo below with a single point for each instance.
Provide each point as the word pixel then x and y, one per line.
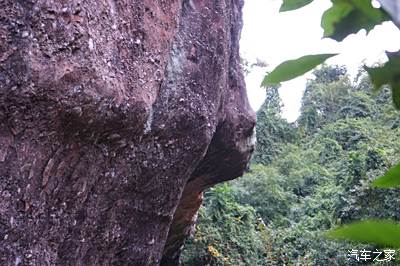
pixel 114 117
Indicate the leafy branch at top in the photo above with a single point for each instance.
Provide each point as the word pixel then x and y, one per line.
pixel 343 18
pixel 294 68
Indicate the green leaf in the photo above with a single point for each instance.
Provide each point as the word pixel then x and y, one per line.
pixel 381 232
pixel 349 16
pixel 389 73
pixel 289 5
pixel 390 180
pixel 293 68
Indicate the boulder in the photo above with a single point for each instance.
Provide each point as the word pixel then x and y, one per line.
pixel 114 117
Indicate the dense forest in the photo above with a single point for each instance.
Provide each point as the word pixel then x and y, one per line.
pixel 305 177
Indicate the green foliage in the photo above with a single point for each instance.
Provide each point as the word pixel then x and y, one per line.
pixel 313 175
pixel 289 5
pixel 228 233
pixel 359 105
pixel 272 130
pixel 264 184
pixel 331 96
pixel 306 178
pixel 383 233
pixel 346 17
pixel 390 179
pixel 293 68
pixel 388 74
pixel 348 133
pixel 328 74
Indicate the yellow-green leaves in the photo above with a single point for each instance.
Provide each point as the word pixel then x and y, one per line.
pixel 381 232
pixel 289 5
pixel 390 180
pixel 293 68
pixel 389 73
pixel 349 16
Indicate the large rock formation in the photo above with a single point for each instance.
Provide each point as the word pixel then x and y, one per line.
pixel 114 117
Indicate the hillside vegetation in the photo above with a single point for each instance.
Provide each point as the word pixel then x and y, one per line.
pixel 305 178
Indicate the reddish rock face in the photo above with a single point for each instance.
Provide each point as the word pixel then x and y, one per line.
pixel 114 117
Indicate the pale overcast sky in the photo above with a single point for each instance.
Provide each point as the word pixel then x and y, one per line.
pixel 275 37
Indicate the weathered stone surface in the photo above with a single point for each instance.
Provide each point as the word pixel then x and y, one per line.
pixel 114 116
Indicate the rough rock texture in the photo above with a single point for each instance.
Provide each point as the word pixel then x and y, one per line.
pixel 114 117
